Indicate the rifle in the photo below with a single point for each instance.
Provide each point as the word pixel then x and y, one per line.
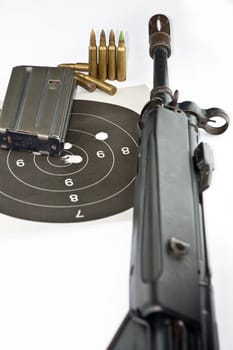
pixel 171 302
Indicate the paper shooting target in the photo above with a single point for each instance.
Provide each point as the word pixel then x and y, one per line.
pixel 93 178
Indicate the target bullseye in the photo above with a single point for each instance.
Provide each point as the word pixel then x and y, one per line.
pixel 72 159
pixel 59 162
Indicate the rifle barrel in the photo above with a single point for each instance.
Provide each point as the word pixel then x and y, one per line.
pixel 161 81
pixel 160 50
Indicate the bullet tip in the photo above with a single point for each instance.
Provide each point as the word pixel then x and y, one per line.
pixel 92 38
pixel 121 36
pixel 102 38
pixel 111 38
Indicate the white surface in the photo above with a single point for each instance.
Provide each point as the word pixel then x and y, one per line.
pixel 66 286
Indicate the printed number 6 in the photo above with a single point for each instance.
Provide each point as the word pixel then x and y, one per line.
pixel 20 163
pixel 69 182
pixel 100 154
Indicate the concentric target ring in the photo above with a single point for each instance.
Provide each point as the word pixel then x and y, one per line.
pixel 63 174
pixel 49 161
pixel 65 190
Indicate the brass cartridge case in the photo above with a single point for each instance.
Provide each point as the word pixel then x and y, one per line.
pixel 102 85
pixel 80 67
pixel 92 55
pixel 88 85
pixel 121 59
pixel 111 57
pixel 102 66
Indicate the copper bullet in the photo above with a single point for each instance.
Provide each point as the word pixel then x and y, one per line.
pixel 111 57
pixel 89 86
pixel 92 55
pixel 121 58
pixel 102 85
pixel 81 67
pixel 102 66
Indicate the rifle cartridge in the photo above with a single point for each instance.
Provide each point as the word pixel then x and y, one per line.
pixel 80 67
pixel 102 85
pixel 111 57
pixel 121 58
pixel 88 85
pixel 92 55
pixel 102 66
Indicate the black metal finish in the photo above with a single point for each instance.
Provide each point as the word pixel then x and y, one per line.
pixel 171 304
pixel 160 67
pixel 160 50
pixel 161 89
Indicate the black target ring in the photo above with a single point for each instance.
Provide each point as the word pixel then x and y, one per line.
pixel 93 179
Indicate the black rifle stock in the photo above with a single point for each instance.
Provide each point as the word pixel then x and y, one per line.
pixel 171 304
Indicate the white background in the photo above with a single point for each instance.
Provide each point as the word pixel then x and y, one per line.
pixel 65 286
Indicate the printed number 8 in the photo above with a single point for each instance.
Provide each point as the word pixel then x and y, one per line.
pixel 74 198
pixel 125 150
